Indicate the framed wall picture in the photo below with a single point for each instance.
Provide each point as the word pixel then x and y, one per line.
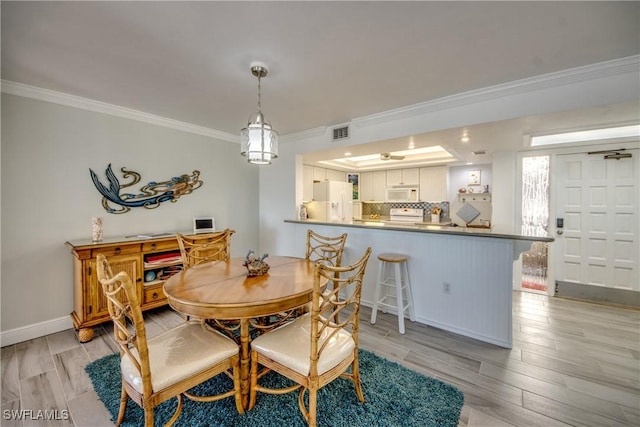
pixel 354 178
pixel 474 177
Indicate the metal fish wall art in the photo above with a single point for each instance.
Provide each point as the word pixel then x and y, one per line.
pixel 150 195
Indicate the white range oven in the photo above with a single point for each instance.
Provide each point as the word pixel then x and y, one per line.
pixel 406 215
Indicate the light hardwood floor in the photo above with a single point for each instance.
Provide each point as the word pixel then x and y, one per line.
pixel 572 363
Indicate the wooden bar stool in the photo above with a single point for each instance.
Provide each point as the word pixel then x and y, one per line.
pixel 401 299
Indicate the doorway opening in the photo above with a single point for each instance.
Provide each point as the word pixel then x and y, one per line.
pixel 535 222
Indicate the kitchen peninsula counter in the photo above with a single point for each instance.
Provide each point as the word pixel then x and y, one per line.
pixel 461 278
pixel 426 227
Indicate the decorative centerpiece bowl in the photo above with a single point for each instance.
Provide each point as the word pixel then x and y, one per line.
pixel 255 266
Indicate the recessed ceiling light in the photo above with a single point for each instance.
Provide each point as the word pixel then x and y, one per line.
pixel 465 136
pixel 587 135
pixel 469 163
pixel 347 154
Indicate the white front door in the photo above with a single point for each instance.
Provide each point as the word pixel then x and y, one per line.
pixel 598 201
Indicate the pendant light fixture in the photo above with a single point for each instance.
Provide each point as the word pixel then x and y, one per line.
pixel 258 141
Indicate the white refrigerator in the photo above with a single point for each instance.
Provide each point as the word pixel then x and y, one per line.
pixel 331 202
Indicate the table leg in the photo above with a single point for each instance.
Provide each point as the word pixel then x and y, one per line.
pixel 244 361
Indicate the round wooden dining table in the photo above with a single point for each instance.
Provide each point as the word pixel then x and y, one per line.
pixel 222 290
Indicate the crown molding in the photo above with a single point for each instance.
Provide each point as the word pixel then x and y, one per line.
pixel 614 67
pixel 27 91
pixel 305 134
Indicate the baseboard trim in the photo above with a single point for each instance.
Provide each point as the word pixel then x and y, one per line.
pixel 449 328
pixel 37 330
pixel 598 294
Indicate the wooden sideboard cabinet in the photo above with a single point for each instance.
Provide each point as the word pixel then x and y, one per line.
pixel 148 261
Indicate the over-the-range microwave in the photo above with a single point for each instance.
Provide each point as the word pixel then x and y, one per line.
pixel 402 194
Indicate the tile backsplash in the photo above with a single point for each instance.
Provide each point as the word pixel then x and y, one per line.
pixel 382 209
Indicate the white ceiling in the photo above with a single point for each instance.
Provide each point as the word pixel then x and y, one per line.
pixel 329 62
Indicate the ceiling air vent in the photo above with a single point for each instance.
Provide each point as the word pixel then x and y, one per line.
pixel 479 152
pixel 340 133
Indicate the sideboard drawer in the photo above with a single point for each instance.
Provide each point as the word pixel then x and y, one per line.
pixel 116 250
pixel 163 245
pixel 153 294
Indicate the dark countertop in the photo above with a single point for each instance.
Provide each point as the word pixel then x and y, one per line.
pixel 426 228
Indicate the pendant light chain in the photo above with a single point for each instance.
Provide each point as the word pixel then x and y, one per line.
pixel 259 96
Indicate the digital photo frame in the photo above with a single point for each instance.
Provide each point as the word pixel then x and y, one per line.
pixel 204 225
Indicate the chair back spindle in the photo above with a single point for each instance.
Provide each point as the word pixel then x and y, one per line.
pixel 201 248
pixel 326 250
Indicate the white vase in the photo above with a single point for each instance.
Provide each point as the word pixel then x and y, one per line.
pixel 96 229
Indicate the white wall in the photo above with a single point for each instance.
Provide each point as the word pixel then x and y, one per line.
pixel 48 197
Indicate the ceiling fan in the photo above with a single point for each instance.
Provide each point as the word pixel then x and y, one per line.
pixel 388 156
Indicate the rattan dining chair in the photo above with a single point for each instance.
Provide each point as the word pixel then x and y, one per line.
pixel 200 248
pixel 168 365
pixel 327 250
pixel 313 350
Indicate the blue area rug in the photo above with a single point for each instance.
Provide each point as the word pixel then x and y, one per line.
pixel 394 396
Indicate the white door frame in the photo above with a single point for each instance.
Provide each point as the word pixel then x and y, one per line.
pixel 627 143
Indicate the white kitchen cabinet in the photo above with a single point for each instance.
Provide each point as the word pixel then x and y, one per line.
pixel 333 175
pixel 394 177
pixel 373 186
pixel 433 183
pixel 357 210
pixel 366 186
pixel 307 182
pixel 379 186
pixel 319 174
pixel 410 176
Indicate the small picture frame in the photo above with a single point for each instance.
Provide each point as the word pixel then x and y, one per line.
pixel 205 224
pixel 474 177
pixel 354 178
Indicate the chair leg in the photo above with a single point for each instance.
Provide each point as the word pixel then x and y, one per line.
pixel 412 312
pixel 399 299
pixel 237 388
pixel 313 395
pixel 123 405
pixel 374 309
pixel 254 381
pixel 355 369
pixel 148 417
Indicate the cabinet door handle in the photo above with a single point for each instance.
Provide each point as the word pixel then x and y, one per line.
pixel 154 295
pixel 153 246
pixel 117 251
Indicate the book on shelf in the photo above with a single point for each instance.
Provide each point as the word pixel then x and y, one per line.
pixel 163 257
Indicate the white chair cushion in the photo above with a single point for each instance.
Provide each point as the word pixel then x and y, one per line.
pixel 290 346
pixel 179 353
